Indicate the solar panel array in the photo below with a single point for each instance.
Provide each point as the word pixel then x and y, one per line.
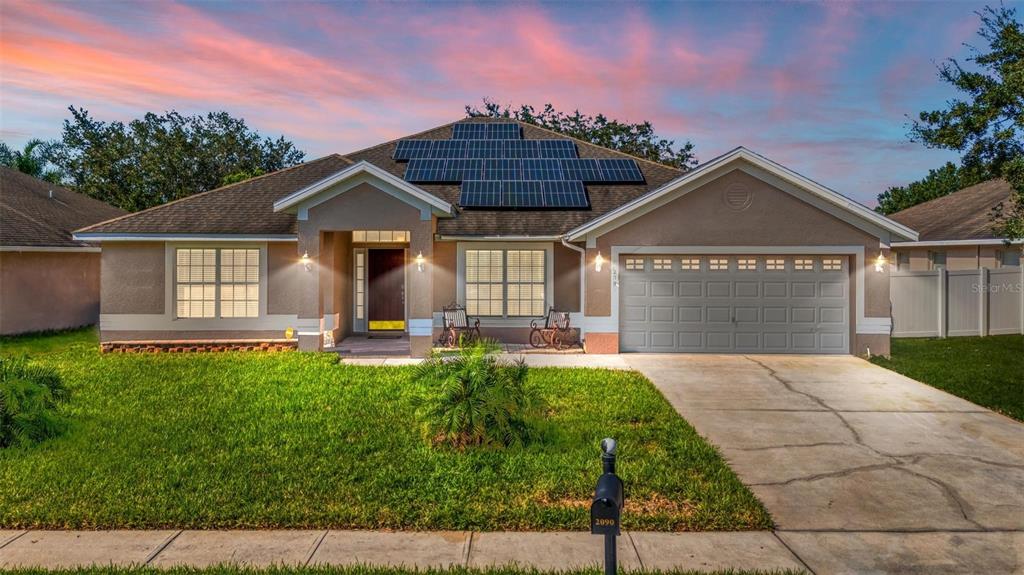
pixel 498 169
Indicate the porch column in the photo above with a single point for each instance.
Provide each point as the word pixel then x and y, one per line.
pixel 420 291
pixel 309 309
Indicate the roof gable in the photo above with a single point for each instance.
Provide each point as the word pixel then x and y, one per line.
pixel 824 198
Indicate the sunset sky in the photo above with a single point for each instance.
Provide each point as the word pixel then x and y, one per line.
pixel 823 88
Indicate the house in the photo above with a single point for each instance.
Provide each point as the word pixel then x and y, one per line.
pixel 737 255
pixel 956 232
pixel 48 280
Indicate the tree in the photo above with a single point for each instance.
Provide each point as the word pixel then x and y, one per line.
pixel 939 182
pixel 33 159
pixel 156 159
pixel 638 140
pixel 987 125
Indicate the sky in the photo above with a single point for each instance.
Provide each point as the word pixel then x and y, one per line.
pixel 826 89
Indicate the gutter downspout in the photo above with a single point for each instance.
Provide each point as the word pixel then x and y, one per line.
pixel 583 280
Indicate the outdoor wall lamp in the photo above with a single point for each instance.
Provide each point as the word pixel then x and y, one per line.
pixel 306 261
pixel 420 261
pixel 598 261
pixel 880 262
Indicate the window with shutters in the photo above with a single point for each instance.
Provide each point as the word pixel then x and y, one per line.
pixel 212 283
pixel 509 283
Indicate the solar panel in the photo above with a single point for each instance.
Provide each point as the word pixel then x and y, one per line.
pixel 480 194
pixel 449 149
pixel 459 169
pixel 522 194
pixel 585 170
pixel 542 170
pixel 485 149
pixel 556 148
pixel 522 149
pixel 620 170
pixel 425 171
pixel 469 131
pixel 412 149
pixel 503 131
pixel 502 170
pixel 565 194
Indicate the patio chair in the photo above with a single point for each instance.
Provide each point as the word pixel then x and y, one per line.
pixel 457 325
pixel 555 332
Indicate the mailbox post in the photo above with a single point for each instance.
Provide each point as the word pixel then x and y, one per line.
pixel 606 508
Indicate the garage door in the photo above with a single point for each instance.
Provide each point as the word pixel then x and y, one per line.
pixel 723 304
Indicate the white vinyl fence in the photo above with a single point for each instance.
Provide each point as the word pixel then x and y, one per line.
pixel 943 303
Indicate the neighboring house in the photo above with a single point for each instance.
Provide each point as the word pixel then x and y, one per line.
pixel 956 232
pixel 737 255
pixel 47 279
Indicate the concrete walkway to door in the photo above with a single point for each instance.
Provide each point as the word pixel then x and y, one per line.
pixel 863 470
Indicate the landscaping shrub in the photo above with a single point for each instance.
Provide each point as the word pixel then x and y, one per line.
pixel 472 398
pixel 29 396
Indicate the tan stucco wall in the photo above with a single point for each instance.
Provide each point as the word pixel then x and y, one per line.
pixel 444 267
pixel 283 270
pixel 48 290
pixel 702 218
pixel 957 257
pixel 132 278
pixel 567 278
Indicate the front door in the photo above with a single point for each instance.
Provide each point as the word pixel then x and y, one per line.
pixel 386 290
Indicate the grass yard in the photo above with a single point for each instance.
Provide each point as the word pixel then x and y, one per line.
pixel 359 570
pixel 296 440
pixel 988 371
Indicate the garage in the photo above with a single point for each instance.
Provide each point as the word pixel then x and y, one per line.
pixel 734 303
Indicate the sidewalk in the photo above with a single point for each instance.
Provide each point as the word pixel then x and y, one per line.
pixel 541 550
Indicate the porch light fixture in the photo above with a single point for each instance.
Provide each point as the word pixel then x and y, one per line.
pixel 880 262
pixel 306 262
pixel 598 261
pixel 419 261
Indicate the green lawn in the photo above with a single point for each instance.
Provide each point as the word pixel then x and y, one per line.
pixel 988 371
pixel 359 570
pixel 297 440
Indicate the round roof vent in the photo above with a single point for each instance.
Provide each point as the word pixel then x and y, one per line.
pixel 738 197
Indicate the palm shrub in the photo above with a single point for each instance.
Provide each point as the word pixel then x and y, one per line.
pixel 473 399
pixel 29 396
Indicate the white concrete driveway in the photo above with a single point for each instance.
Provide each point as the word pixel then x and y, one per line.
pixel 863 470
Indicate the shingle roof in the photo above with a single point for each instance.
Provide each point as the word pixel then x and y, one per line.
pixel 247 207
pixel 962 215
pixel 40 214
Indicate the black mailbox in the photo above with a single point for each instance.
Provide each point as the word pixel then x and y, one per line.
pixel 606 508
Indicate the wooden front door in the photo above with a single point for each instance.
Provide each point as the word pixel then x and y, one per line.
pixel 386 290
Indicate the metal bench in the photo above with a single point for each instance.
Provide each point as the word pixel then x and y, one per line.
pixel 555 332
pixel 457 325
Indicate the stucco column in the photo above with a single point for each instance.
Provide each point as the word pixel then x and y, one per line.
pixel 309 309
pixel 601 336
pixel 420 288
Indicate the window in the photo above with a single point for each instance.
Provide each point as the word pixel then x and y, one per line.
pixel 484 282
pixel 661 264
pixel 525 282
pixel 689 264
pixel 196 283
pixel 718 264
pixel 831 264
pixel 635 264
pixel 217 282
pixel 1008 258
pixel 380 236
pixel 937 260
pixel 240 283
pixel 505 282
pixel 803 264
pixel 903 261
pixel 360 285
pixel 746 264
pixel 775 264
